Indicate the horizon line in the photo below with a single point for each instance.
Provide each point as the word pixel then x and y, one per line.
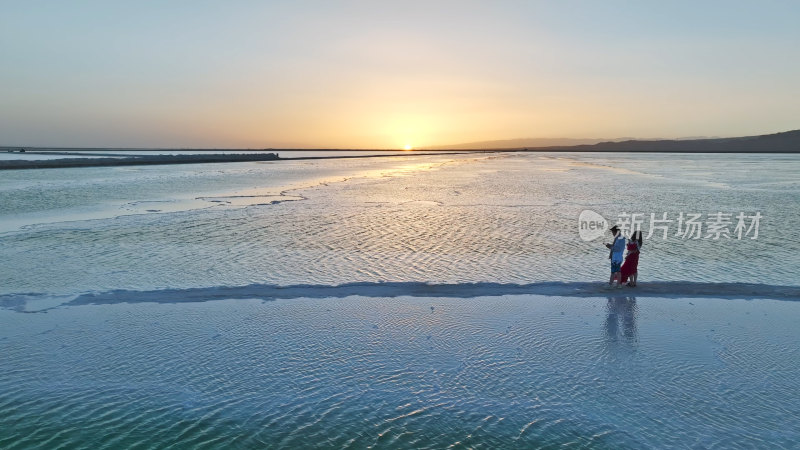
pixel 415 148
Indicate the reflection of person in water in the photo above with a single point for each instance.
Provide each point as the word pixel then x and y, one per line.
pixel 621 312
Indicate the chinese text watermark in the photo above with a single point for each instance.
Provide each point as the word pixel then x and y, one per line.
pixel 713 226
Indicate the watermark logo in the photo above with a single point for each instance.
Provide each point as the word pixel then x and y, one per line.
pixel 713 226
pixel 591 225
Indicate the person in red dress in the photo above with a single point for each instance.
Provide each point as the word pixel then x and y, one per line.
pixel 630 268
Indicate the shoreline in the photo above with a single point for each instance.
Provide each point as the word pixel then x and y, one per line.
pixel 112 160
pixel 582 289
pixel 271 292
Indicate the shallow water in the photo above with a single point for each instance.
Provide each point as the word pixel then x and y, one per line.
pixel 442 219
pixel 135 305
pixel 512 371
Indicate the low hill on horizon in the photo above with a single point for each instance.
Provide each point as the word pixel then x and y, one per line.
pixel 783 142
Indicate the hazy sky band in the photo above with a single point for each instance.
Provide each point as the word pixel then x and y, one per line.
pixel 382 74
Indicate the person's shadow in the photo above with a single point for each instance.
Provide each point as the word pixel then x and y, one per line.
pixel 620 326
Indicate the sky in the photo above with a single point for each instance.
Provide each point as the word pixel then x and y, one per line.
pixel 390 74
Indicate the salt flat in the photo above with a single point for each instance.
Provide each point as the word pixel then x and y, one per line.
pixel 410 301
pixel 440 219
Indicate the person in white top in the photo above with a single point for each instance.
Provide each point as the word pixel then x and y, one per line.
pixel 617 248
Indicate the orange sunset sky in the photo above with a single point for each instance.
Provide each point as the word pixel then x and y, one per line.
pixel 389 74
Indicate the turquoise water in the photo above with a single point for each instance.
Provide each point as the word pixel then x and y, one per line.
pixel 354 372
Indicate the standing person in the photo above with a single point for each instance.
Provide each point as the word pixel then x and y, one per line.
pixel 617 249
pixel 630 268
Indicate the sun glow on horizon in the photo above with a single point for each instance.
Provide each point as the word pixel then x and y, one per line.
pixel 393 75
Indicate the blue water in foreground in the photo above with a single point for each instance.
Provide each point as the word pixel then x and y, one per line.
pixel 403 372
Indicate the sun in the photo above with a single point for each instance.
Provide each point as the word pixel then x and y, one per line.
pixel 408 147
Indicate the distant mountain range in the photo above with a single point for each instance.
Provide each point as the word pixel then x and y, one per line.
pixel 785 142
